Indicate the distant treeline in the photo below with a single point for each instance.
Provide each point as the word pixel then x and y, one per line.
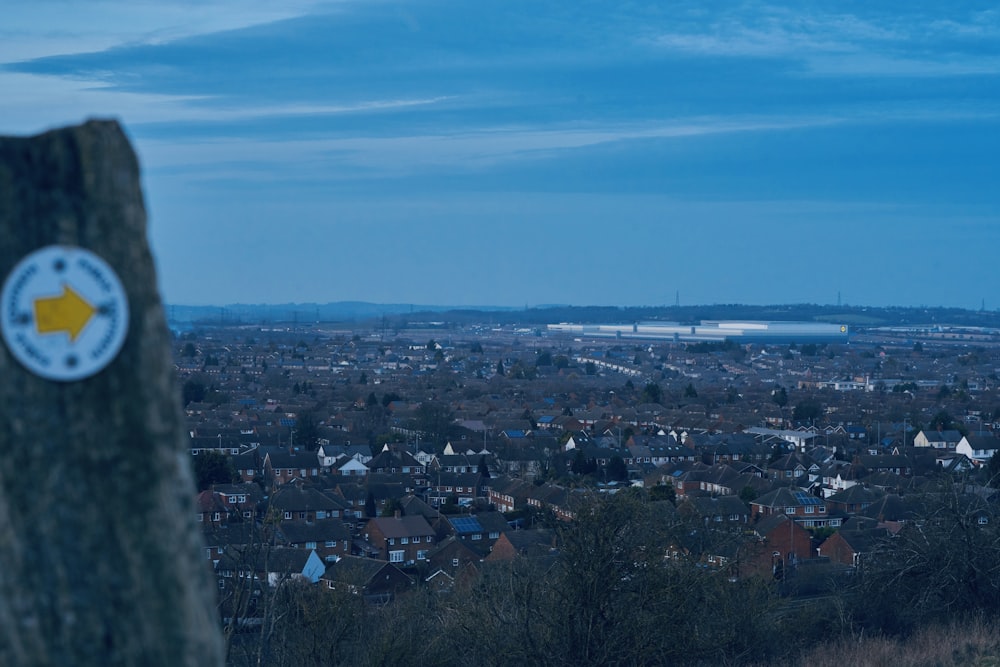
pixel 403 316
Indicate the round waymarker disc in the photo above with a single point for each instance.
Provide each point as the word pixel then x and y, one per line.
pixel 64 313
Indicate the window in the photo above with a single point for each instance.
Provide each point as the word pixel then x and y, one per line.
pixel 392 541
pixel 404 540
pixel 789 510
pixel 495 535
pixel 247 514
pixel 395 556
pixel 810 509
pixel 454 562
pixel 200 517
pixel 320 514
pixel 422 554
pixel 302 515
pixel 477 536
pixel 215 517
pixel 330 544
pixel 427 539
pixel 288 515
pixel 983 519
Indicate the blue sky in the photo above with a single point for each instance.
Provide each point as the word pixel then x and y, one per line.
pixel 533 152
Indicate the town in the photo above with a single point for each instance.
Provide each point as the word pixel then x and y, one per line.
pixel 384 464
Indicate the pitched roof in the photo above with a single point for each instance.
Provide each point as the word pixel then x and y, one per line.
pixel 291 498
pixel 402 526
pixel 320 531
pixel 356 570
pixel 857 494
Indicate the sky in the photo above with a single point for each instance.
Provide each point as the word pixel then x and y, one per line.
pixel 524 153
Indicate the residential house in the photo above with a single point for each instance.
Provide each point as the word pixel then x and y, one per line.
pixel 794 502
pixel 463 488
pixel 391 462
pixel 404 540
pixel 945 439
pixel 895 463
pixel 557 499
pixel 479 531
pixel 534 543
pixel 248 465
pixel 211 509
pixel 454 558
pixel 853 500
pixel 893 511
pixel 271 564
pixel 723 511
pixel 350 467
pixel 244 498
pixel 330 539
pixel 508 495
pixel 328 454
pixel 218 538
pixel 295 502
pixel 782 545
pixel 978 448
pixel 377 580
pixel 282 465
pixel 791 467
pixel 849 545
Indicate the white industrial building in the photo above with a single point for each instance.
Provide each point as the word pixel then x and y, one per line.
pixel 713 331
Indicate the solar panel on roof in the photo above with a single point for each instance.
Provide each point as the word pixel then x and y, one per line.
pixel 804 498
pixel 467 524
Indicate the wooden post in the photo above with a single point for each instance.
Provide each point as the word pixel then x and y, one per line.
pixel 100 557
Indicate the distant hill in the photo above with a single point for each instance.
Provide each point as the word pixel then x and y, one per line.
pixel 405 315
pixel 340 311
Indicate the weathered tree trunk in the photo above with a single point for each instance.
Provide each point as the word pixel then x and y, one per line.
pixel 99 553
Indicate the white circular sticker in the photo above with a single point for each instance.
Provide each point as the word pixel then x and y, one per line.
pixel 65 314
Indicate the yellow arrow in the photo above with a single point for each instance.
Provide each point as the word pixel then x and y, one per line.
pixel 69 312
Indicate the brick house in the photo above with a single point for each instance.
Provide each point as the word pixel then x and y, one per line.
pixel 403 540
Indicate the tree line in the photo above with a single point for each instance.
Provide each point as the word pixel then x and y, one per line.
pixel 627 584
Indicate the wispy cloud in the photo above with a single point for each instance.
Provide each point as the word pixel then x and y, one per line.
pixel 887 44
pixel 379 157
pixel 97 25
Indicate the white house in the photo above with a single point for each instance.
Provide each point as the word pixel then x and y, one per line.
pixel 978 448
pixel 937 439
pixel 353 467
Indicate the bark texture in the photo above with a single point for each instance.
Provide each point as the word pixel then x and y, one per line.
pixel 100 560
